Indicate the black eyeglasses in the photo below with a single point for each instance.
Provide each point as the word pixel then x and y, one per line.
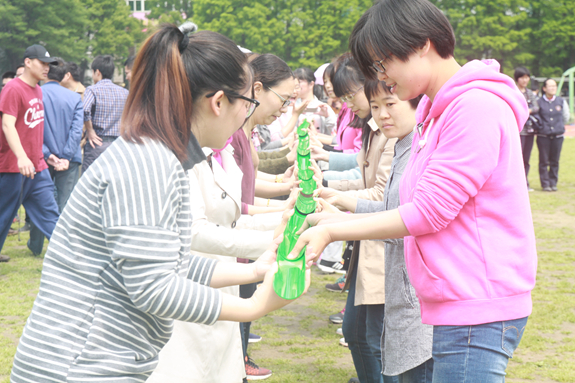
pixel 285 103
pixel 377 66
pixel 253 103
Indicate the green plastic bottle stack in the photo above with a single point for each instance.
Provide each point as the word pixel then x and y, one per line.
pixel 289 281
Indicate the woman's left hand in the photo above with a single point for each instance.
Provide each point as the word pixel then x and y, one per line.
pixel 264 263
pixel 322 110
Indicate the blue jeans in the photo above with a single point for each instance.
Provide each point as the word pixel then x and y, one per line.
pixel 475 354
pixel 64 183
pixel 362 328
pixel 420 374
pixel 37 197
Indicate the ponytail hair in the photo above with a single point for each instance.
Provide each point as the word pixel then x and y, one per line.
pixel 173 70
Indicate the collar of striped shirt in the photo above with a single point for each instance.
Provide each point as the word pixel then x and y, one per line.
pixel 195 153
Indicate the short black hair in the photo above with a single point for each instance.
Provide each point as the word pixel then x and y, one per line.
pixel 374 87
pixel 105 64
pixel 398 28
pixel 58 70
pixel 270 70
pixel 20 66
pixel 129 63
pixel 74 70
pixel 347 77
pixel 8 74
pixel 520 71
pixel 304 74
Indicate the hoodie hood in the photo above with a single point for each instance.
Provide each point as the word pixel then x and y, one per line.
pixel 475 74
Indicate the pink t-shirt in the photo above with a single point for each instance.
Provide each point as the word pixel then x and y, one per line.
pixel 348 138
pixel 24 102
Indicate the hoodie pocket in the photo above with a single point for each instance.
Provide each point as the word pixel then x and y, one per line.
pixel 427 285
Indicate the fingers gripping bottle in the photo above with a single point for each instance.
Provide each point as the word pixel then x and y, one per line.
pixel 289 281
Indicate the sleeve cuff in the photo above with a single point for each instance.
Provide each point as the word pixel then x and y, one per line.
pixel 414 220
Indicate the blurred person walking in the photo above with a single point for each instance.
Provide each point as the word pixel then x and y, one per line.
pixel 103 107
pixel 527 135
pixel 63 121
pixel 72 79
pixel 553 113
pixel 24 175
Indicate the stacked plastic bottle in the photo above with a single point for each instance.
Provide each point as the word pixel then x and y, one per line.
pixel 289 281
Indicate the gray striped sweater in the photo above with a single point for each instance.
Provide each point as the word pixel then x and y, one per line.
pixel 118 270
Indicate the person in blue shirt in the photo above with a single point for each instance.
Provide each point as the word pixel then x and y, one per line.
pixel 63 123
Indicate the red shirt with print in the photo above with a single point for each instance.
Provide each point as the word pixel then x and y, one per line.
pixel 24 102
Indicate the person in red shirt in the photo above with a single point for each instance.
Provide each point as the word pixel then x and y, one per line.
pixel 24 175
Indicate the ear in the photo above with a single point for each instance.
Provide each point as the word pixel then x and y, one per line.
pixel 424 50
pixel 258 88
pixel 215 102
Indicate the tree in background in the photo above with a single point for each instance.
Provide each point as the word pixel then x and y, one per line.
pixel 57 25
pixel 553 39
pixel 76 30
pixel 489 29
pixel 303 32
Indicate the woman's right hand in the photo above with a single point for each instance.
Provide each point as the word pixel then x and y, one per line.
pixel 297 110
pixel 319 153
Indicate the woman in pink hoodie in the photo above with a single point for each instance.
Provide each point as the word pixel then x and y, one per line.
pixel 465 213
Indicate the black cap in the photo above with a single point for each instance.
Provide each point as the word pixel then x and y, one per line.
pixel 39 52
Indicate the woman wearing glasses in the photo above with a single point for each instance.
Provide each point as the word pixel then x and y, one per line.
pixel 118 269
pixel 465 214
pixel 272 86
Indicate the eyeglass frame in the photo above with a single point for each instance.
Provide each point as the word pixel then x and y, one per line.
pixel 346 98
pixel 376 66
pixel 285 102
pixel 252 101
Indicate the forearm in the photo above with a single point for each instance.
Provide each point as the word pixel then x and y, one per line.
pixel 252 210
pixel 236 309
pixel 231 274
pixel 269 190
pixel 266 177
pixel 263 202
pixel 387 224
pixel 325 139
pixel 289 127
pixel 9 129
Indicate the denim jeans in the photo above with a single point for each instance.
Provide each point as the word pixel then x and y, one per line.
pixel 64 183
pixel 420 374
pixel 475 354
pixel 362 328
pixel 37 196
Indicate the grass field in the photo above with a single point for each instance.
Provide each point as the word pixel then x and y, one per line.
pixel 300 345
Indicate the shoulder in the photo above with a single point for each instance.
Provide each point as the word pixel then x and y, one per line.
pixel 478 105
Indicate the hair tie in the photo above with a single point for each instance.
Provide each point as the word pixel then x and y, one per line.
pixel 186 28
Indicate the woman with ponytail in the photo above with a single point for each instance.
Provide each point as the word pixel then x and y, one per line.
pixel 118 269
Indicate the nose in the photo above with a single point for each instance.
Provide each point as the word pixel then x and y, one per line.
pixel 283 109
pixel 381 76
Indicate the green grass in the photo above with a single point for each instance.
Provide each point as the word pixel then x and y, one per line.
pixel 300 345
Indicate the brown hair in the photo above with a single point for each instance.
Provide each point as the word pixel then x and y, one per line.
pixel 169 75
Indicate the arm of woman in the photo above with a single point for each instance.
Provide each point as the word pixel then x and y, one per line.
pixel 266 189
pixel 351 227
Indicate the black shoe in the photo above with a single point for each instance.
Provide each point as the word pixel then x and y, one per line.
pixel 24 228
pixel 4 258
pixel 547 189
pixel 554 188
pixel 353 380
pixel 331 267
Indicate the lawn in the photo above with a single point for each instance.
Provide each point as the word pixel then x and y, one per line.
pixel 300 345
